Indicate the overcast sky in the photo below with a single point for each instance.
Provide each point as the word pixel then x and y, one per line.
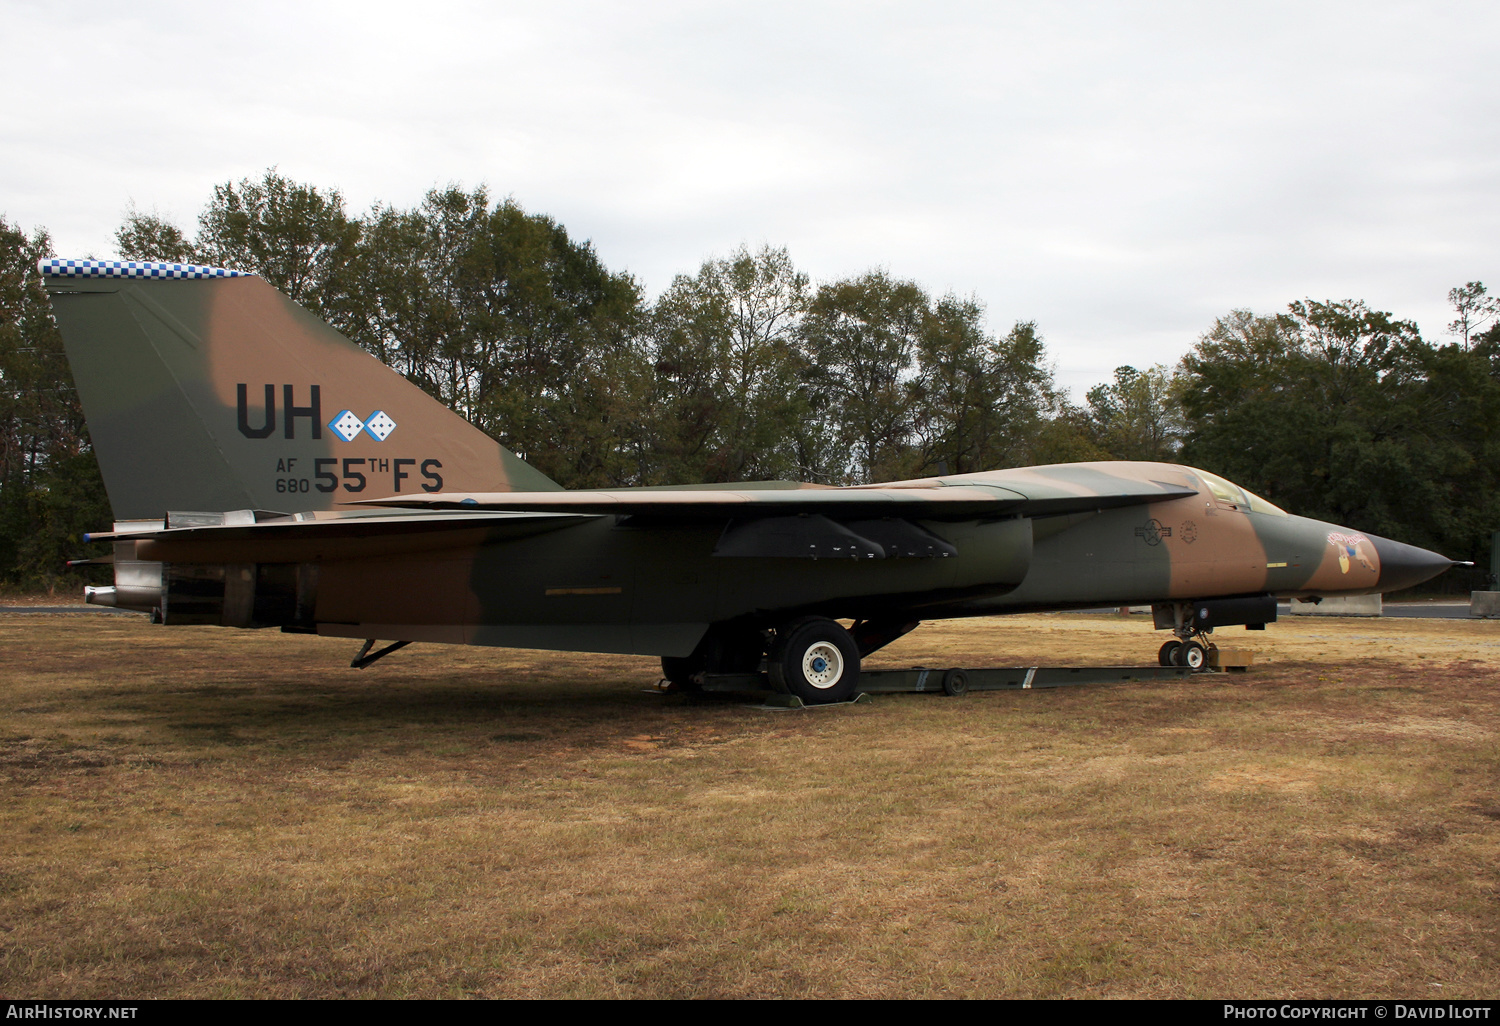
pixel 1120 173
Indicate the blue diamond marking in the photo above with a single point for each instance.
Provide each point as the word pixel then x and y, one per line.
pixel 379 426
pixel 346 425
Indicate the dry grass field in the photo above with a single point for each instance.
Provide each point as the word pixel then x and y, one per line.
pixel 202 812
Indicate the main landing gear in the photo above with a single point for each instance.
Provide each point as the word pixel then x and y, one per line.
pixel 726 648
pixel 813 657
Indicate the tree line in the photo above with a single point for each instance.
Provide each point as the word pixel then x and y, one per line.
pixel 748 370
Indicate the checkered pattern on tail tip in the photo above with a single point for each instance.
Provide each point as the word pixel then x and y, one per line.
pixel 56 267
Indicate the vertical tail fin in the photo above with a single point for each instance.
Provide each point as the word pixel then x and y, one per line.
pixel 207 389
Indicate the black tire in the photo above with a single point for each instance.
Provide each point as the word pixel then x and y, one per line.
pixel 1192 655
pixel 1168 654
pixel 955 683
pixel 679 672
pixel 733 650
pixel 816 660
pixel 722 650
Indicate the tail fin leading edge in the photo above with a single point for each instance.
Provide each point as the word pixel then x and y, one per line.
pixel 207 389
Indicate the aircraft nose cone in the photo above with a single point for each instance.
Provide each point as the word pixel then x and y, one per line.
pixel 1402 565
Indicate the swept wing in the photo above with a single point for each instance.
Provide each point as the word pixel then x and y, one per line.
pixel 1028 493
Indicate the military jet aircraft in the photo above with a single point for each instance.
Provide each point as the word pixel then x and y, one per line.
pixel 266 472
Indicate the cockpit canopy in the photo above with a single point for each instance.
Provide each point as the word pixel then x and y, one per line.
pixel 1228 491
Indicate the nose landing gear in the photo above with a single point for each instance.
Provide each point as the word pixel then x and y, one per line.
pixel 1190 646
pixel 1192 653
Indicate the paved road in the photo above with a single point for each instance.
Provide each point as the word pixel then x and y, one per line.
pixel 1429 610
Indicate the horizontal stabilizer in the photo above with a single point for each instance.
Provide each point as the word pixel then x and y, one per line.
pixel 338 526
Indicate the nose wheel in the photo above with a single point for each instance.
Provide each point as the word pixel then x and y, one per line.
pixel 1191 653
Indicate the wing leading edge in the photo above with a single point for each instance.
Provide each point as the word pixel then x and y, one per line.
pixel 966 501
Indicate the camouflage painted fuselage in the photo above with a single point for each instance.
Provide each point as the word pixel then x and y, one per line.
pixel 654 585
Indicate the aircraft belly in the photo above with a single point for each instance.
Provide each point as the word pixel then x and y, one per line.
pixel 550 592
pixel 417 591
pixel 595 573
pixel 669 639
pixel 602 573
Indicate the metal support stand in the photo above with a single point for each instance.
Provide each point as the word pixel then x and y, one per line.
pixel 364 657
pixel 957 681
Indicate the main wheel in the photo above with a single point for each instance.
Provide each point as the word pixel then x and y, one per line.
pixel 733 650
pixel 679 672
pixel 816 660
pixel 723 649
pixel 1168 654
